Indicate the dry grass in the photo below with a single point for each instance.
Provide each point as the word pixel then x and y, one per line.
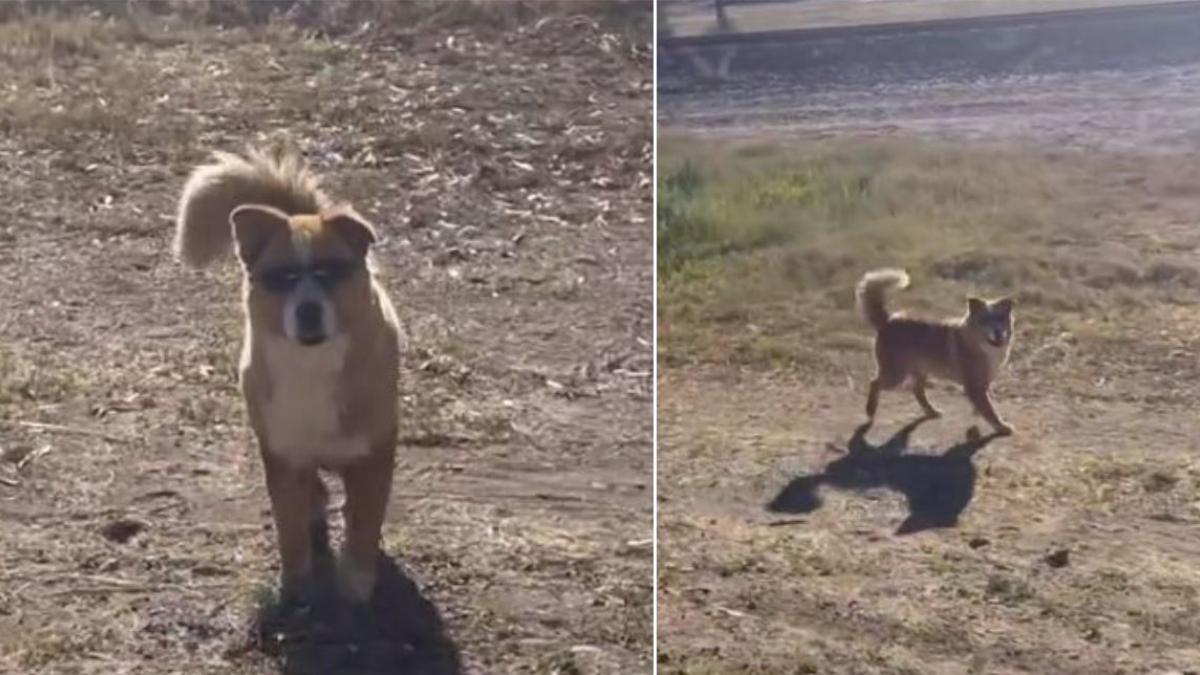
pixel 337 16
pixel 764 242
pixel 131 503
pixel 791 544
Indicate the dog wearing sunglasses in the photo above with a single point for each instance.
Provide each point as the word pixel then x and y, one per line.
pixel 969 350
pixel 320 358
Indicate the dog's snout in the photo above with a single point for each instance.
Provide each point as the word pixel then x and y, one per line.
pixel 308 317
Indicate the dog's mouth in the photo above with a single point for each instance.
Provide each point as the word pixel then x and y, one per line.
pixel 310 339
pixel 997 339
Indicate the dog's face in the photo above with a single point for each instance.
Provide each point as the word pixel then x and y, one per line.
pixel 992 321
pixel 308 276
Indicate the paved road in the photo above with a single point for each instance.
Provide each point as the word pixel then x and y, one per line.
pixel 1128 84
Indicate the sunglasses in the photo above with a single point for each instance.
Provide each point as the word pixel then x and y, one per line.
pixel 327 273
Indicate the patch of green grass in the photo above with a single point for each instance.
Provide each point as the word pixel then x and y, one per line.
pixel 760 244
pixel 720 198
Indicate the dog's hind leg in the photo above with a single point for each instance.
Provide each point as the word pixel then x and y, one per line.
pixel 873 399
pixel 887 377
pixel 919 391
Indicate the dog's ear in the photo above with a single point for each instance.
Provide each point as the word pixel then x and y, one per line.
pixel 352 228
pixel 976 306
pixel 253 226
pixel 1003 306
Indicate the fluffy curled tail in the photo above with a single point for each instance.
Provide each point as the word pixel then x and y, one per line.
pixel 871 291
pixel 274 177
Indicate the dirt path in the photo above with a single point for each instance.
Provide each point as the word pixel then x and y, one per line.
pixel 1068 548
pixel 509 173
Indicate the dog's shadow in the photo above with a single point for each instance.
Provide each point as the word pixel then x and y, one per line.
pixel 399 631
pixel 938 487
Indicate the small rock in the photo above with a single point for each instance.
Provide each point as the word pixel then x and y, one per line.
pixel 1058 558
pixel 1159 481
pixel 122 530
pixel 978 542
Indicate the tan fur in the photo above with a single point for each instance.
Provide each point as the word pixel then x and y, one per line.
pixel 959 350
pixel 274 177
pixel 870 294
pixel 331 406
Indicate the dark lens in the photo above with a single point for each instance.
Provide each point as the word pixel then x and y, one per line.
pixel 279 280
pixel 330 273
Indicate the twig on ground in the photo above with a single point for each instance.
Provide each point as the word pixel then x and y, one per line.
pixel 107 584
pixel 28 459
pixel 64 429
pixel 730 612
pixel 144 588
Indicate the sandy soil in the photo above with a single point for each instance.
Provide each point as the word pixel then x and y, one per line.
pixel 507 167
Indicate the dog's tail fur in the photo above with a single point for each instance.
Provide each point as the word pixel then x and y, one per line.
pixel 871 291
pixel 274 177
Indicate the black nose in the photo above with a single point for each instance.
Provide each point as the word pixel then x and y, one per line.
pixel 308 317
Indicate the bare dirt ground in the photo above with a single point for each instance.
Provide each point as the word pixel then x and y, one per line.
pixel 506 159
pixel 791 542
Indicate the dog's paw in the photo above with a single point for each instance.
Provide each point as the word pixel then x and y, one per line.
pixel 1005 430
pixel 933 413
pixel 303 591
pixel 356 582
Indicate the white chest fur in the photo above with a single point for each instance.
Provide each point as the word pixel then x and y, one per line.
pixel 996 357
pixel 302 416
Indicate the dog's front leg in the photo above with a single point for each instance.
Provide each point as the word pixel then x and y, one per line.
pixel 292 491
pixel 982 400
pixel 368 485
pixel 919 382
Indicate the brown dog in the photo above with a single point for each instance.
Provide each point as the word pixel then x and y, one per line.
pixel 969 350
pixel 320 360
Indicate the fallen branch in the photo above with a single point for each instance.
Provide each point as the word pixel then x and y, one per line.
pixel 107 584
pixel 786 521
pixel 64 429
pixel 143 588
